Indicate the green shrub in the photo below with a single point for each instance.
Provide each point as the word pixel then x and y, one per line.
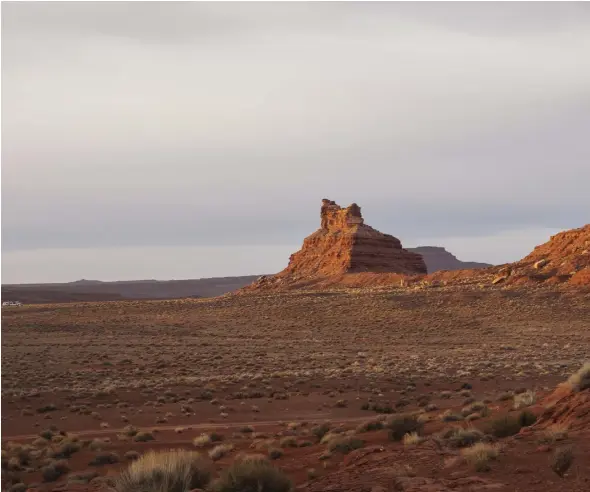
pixel 104 459
pixel 562 460
pixel 53 471
pixel 320 430
pixel 251 476
pixel 371 425
pixel 65 450
pixel 505 426
pixel 275 453
pixel 401 425
pixel 526 418
pixel 458 437
pixel 345 444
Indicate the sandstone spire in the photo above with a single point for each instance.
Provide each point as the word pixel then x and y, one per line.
pixel 345 244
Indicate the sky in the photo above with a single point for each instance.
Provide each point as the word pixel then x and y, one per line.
pixel 186 140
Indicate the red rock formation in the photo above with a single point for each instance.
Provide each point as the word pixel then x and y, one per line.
pixel 569 405
pixel 565 258
pixel 345 244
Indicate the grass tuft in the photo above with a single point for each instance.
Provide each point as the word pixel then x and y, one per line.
pixel 174 470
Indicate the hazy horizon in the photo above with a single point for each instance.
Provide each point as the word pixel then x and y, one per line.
pixel 190 140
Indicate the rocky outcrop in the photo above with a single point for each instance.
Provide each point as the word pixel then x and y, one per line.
pixel 438 258
pixel 565 258
pixel 345 244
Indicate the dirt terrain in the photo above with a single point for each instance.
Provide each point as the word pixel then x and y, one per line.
pixel 271 373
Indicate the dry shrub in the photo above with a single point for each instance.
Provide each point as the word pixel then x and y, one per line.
pixel 275 453
pixel 457 437
pixel 344 444
pixel 174 470
pixel 480 454
pixel 450 416
pixel 144 437
pixel 252 476
pixel 220 451
pixel 320 431
pixel 288 442
pixel 54 470
pixel 508 425
pixel 65 450
pixel 411 439
pixel 400 425
pixel 523 400
pixel 104 459
pixel 370 425
pixel 202 440
pixel 580 380
pixel 562 460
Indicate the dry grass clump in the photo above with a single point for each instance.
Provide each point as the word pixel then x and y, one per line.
pixel 369 425
pixel 288 442
pixel 524 400
pixel 480 454
pixel 507 395
pixel 251 476
pixel 202 440
pixel 174 470
pixel 457 437
pixel 144 436
pixel 411 439
pixel 344 444
pixel 475 407
pixel 220 451
pixel 450 416
pixel 250 457
pixel 580 380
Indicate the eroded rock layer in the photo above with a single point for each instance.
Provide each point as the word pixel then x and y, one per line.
pixel 345 244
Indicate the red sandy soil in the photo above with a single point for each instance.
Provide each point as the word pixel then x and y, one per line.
pixel 282 363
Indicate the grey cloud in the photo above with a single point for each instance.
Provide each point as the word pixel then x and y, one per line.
pixel 163 124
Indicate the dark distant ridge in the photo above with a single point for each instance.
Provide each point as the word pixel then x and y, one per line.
pixel 438 258
pixel 95 290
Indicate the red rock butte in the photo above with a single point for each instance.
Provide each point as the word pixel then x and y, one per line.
pixel 345 244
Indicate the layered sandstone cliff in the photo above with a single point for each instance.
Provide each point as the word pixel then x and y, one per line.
pixel 345 244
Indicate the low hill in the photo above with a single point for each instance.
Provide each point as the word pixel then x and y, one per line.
pixel 135 289
pixel 438 258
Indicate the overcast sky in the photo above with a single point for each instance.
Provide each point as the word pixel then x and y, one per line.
pixel 184 140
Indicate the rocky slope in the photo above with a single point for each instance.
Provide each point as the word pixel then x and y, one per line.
pixel 344 244
pixel 564 259
pixel 438 258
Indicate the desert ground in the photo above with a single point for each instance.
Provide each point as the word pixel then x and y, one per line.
pixel 343 390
